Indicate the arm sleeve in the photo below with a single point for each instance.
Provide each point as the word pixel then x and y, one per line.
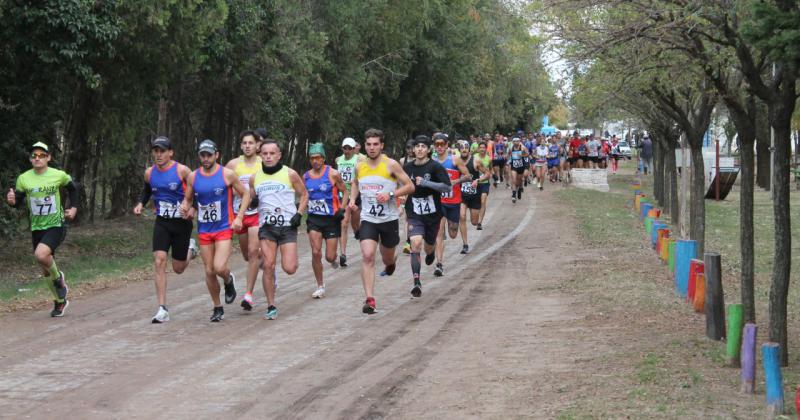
pixel 72 192
pixel 144 197
pixel 439 187
pixel 19 196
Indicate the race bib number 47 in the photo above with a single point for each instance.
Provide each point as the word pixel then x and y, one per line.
pixel 169 210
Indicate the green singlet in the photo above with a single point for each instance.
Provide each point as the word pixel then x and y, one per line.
pixel 347 167
pixel 43 196
pixel 486 162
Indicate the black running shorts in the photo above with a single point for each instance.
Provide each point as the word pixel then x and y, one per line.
pixel 326 225
pixel 174 234
pixel 386 233
pixel 52 237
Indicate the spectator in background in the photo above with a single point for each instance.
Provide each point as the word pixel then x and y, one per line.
pixel 646 153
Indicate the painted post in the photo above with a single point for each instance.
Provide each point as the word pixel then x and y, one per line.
pixel 715 299
pixel 770 352
pixel 695 266
pixel 657 224
pixel 749 358
pixel 671 256
pixel 645 208
pixel 665 246
pixel 734 343
pixel 685 250
pixel 648 225
pixel 700 293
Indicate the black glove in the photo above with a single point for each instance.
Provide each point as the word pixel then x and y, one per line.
pixel 253 202
pixel 339 215
pixel 296 219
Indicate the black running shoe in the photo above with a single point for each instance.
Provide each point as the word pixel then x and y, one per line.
pixel 526 182
pixel 369 306
pixel 60 284
pixel 355 234
pixel 480 227
pixel 429 258
pixel 230 289
pixel 343 260
pixel 389 270
pixel 465 249
pixel 439 271
pixel 417 290
pixel 519 193
pixel 218 315
pixel 59 308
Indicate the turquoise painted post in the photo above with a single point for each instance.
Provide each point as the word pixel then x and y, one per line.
pixel 773 378
pixel 685 250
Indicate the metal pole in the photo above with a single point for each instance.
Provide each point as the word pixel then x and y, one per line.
pixel 716 174
pixel 772 151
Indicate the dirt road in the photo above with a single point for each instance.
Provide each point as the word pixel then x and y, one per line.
pixel 479 343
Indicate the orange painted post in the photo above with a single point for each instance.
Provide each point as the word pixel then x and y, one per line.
pixel 665 246
pixel 695 266
pixel 700 293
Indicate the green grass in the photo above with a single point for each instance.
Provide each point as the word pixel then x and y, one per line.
pixel 109 249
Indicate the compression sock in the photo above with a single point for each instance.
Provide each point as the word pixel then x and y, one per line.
pixel 415 265
pixel 52 272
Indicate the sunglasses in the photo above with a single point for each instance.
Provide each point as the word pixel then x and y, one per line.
pixel 38 155
pixel 440 143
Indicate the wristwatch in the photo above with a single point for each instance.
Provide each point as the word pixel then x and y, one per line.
pixel 391 195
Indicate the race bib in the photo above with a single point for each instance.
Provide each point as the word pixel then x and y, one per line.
pixel 448 194
pixel 209 213
pixel 169 210
pixel 277 220
pixel 347 175
pixel 43 206
pixel 468 189
pixel 516 163
pixel 424 205
pixel 318 207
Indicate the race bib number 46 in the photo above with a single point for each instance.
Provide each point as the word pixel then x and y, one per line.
pixel 43 206
pixel 210 213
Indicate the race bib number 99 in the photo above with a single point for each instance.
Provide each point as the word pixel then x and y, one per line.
pixel 43 206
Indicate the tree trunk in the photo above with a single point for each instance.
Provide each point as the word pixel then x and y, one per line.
pixel 672 179
pixel 746 234
pixel 697 210
pixel 782 263
pixel 763 163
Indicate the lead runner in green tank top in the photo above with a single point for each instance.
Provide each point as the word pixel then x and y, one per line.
pixel 39 190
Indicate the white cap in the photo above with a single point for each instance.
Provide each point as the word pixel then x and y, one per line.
pixel 348 141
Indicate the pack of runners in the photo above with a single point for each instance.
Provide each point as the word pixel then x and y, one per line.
pixel 439 186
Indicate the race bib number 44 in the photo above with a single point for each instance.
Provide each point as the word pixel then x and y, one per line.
pixel 43 206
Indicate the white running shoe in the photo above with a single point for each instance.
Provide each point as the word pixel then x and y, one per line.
pixel 193 248
pixel 319 293
pixel 161 316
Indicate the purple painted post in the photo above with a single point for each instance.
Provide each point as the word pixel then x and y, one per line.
pixel 749 358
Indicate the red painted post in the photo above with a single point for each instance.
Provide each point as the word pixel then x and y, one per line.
pixel 716 186
pixel 695 267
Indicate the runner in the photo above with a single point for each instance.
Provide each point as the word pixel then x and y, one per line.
pixel 277 186
pixel 485 163
pixel 530 145
pixel 517 154
pixel 451 200
pixel 423 209
pixel 213 186
pixel 593 147
pixel 470 198
pixel 553 161
pixel 615 155
pixel 166 181
pixel 346 165
pixel 38 189
pixel 376 179
pixel 406 159
pixel 245 166
pixel 325 213
pixel 499 159
pixel 541 155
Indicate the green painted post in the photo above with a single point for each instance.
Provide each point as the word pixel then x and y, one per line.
pixel 671 259
pixel 734 334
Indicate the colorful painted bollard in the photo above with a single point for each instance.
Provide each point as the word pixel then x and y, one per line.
pixel 700 293
pixel 645 208
pixel 664 250
pixel 734 336
pixel 695 267
pixel 685 250
pixel 671 256
pixel 773 378
pixel 657 224
pixel 749 358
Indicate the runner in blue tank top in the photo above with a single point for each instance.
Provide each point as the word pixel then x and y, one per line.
pixel 325 212
pixel 165 182
pixel 211 185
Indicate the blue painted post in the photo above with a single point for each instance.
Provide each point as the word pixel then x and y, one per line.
pixel 645 207
pixel 685 250
pixel 773 379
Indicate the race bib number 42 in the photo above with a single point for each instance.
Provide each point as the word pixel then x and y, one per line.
pixel 43 206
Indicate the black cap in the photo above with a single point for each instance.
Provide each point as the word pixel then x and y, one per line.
pixel 440 136
pixel 261 132
pixel 162 143
pixel 207 146
pixel 422 139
